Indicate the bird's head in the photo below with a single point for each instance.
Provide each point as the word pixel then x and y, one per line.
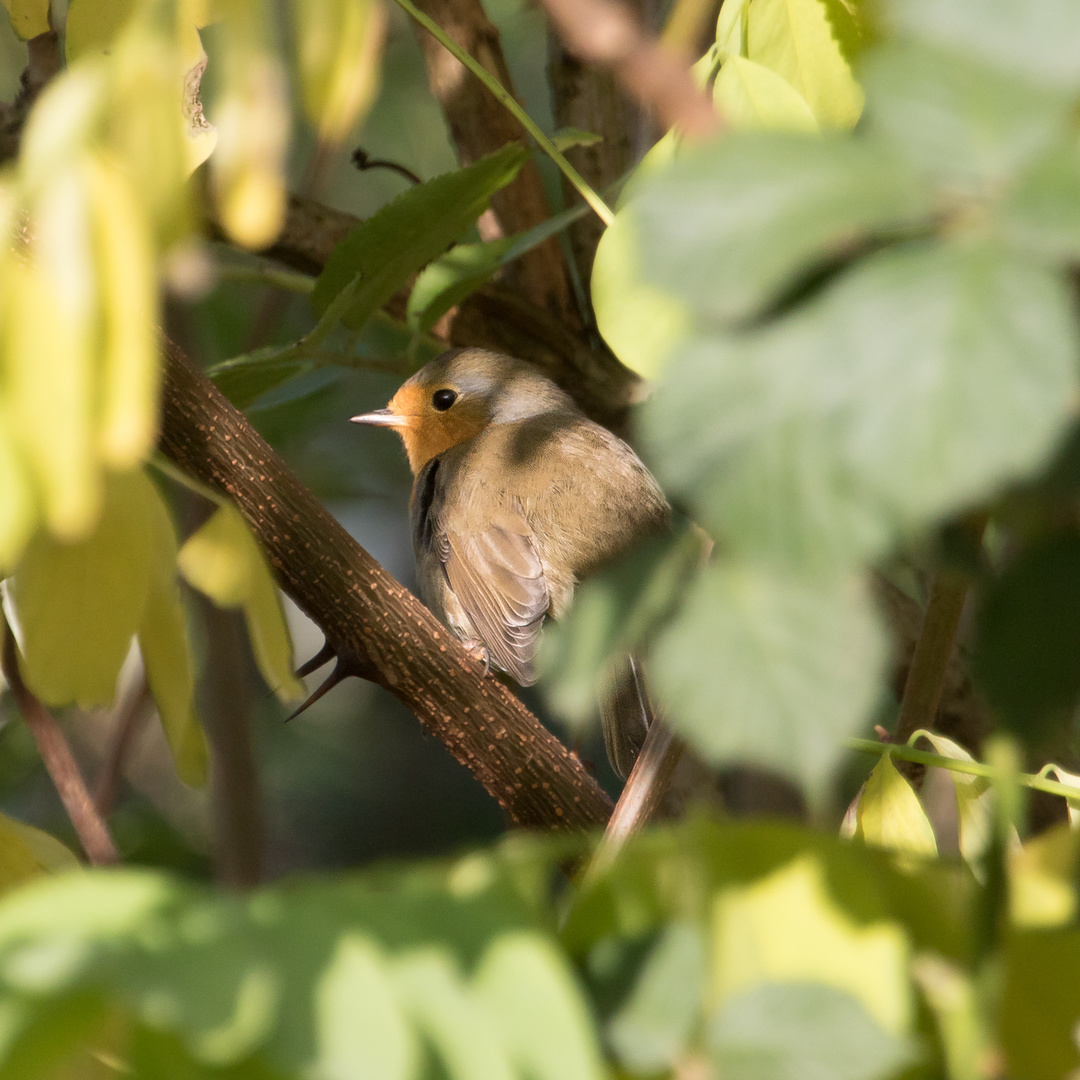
pixel 456 396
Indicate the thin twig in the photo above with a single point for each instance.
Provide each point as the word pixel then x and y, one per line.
pixel 930 662
pixel 363 162
pixel 132 712
pixel 59 762
pixel 505 98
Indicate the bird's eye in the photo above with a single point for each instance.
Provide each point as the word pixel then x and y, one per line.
pixel 443 399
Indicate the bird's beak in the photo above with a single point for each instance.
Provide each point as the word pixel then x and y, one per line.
pixel 381 418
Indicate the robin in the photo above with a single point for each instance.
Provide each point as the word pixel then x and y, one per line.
pixel 517 496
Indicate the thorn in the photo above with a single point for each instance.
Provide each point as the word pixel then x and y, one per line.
pixel 323 656
pixel 339 674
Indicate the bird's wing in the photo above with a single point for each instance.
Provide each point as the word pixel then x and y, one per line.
pixel 497 577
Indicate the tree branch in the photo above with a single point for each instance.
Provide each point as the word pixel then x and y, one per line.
pixel 366 614
pixel 92 831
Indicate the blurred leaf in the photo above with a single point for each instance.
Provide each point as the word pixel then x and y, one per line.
pixel 731 29
pixel 1042 211
pixel 952 996
pixel 246 382
pixel 751 96
pixel 223 560
pixel 17 508
pixel 79 605
pixel 537 1010
pixel 772 670
pixel 380 254
pixel 26 852
pixel 810 44
pixel 1029 637
pixel 252 117
pixel 50 372
pixel 890 815
pixel 728 227
pixel 29 18
pixel 1040 1004
pixel 361 1028
pixel 93 26
pixel 338 48
pixel 166 652
pixel 129 335
pixel 959 121
pixel 465 267
pixel 615 612
pixel 802 1031
pixel 641 324
pixel 1039 39
pixel 1042 879
pixel 787 928
pixel 653 1030
pixel 925 379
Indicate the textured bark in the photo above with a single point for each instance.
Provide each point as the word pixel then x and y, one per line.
pixel 478 125
pixel 388 635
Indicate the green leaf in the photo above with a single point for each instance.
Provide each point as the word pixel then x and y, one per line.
pixel 751 96
pixel 731 29
pixel 615 612
pixel 569 137
pixel 791 668
pixel 1042 878
pixel 924 380
pixel 968 125
pixel 361 1029
pixel 538 1010
pixel 1040 1003
pixel 890 815
pixel 26 852
pixel 79 605
pixel 223 560
pixel 641 324
pixel 17 510
pixel 451 1020
pixel 380 254
pixel 1042 212
pixel 802 1032
pixel 728 227
pixel 1029 637
pixel 1039 39
pixel 810 44
pixel 465 267
pixel 654 1029
pixel 166 652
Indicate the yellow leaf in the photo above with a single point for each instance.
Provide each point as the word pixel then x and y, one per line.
pixel 809 44
pixel 1042 876
pixel 50 361
pixel 17 510
pixel 339 44
pixel 26 852
pixel 786 928
pixel 128 318
pixel 78 605
pixel 93 25
pixel 29 18
pixel 751 96
pixel 641 324
pixel 731 29
pixel 890 815
pixel 166 652
pixel 224 561
pixel 252 115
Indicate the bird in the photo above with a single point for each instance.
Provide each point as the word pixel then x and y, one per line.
pixel 517 497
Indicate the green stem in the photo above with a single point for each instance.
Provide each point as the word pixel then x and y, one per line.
pixel 281 279
pixel 603 211
pixel 1036 782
